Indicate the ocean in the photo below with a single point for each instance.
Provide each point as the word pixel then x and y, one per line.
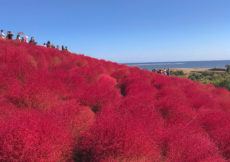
pixel 181 64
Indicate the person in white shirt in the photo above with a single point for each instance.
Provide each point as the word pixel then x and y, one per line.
pixel 2 34
pixel 26 39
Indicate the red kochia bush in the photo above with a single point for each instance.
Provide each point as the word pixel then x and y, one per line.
pixel 36 92
pixel 184 145
pixel 101 93
pixel 59 106
pixel 75 118
pixel 217 125
pixel 117 136
pixel 31 136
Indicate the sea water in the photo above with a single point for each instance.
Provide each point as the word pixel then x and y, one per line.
pixel 181 64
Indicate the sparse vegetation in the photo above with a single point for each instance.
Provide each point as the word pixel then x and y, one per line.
pixel 218 79
pixel 178 73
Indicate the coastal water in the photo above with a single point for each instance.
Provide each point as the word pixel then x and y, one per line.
pixel 181 64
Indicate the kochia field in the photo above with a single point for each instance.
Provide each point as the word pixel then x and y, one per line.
pixel 59 106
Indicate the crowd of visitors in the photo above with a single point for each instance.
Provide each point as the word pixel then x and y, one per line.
pixel 24 38
pixel 162 71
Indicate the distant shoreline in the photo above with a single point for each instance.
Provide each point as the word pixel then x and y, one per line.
pixel 189 70
pixel 187 66
pixel 170 62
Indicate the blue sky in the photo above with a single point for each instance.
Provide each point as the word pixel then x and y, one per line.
pixel 126 30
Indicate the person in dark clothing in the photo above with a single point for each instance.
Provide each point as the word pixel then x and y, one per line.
pixel 62 48
pixel 48 44
pixel 18 37
pixel 9 35
pixel 32 41
pixel 66 48
pixel 168 72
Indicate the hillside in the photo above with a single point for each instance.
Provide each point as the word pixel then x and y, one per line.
pixel 59 106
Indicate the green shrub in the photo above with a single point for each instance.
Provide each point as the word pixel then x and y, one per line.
pixel 177 73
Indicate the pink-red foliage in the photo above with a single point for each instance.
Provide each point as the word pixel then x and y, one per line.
pixel 31 136
pixel 118 136
pixel 59 106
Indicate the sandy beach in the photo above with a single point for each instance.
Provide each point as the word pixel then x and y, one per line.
pixel 189 70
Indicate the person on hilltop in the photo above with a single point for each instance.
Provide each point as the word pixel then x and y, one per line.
pixel 164 71
pixel 2 34
pixel 48 44
pixel 66 48
pixel 62 48
pixel 52 46
pixel 32 41
pixel 154 70
pixel 44 44
pixel 168 72
pixel 22 39
pixel 9 35
pixel 18 37
pixel 57 47
pixel 26 39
